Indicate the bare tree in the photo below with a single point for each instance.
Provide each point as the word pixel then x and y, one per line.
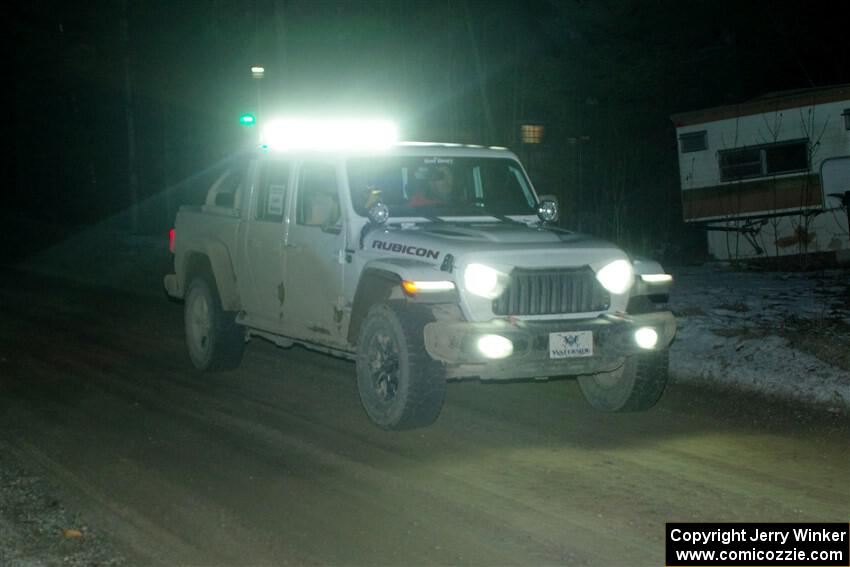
pixel 129 115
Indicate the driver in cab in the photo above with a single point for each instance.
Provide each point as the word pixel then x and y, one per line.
pixel 438 189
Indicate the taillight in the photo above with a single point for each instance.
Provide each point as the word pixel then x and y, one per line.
pixel 171 241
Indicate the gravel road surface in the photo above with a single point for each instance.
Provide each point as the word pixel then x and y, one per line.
pixel 105 425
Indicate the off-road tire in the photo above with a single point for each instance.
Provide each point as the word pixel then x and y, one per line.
pixel 636 386
pixel 213 339
pixel 406 393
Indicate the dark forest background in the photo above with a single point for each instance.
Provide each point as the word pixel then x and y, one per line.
pixel 137 100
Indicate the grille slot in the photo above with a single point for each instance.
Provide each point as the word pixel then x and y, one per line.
pixel 552 292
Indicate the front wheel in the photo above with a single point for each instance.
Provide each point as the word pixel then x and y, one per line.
pixel 636 386
pixel 400 385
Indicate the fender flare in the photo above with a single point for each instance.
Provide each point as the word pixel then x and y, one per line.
pixel 220 264
pixel 381 280
pixel 375 286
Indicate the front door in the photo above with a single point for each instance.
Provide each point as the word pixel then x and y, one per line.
pixel 265 246
pixel 314 256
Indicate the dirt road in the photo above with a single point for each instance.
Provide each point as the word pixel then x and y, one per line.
pixel 277 464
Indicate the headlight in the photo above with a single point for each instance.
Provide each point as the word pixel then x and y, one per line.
pixel 616 277
pixel 481 280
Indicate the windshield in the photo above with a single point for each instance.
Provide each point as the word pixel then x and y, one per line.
pixel 440 186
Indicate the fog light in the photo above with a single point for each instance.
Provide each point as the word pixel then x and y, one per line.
pixel 495 346
pixel 646 337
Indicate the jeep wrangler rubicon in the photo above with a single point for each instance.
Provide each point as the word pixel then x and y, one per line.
pixel 422 263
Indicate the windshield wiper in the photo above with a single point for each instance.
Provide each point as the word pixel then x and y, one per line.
pixel 507 219
pixel 497 216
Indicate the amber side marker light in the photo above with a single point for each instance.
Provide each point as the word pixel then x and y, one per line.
pixel 411 288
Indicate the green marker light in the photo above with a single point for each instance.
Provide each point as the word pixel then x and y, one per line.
pixel 247 120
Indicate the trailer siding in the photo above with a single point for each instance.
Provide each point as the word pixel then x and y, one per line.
pixel 780 213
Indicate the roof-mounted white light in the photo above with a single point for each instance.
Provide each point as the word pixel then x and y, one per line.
pixel 318 135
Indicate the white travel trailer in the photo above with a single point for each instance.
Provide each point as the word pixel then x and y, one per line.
pixel 769 177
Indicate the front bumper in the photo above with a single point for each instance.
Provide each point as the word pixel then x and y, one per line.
pixel 455 344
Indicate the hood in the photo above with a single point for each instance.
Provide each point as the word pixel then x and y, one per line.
pixel 502 233
pixel 516 243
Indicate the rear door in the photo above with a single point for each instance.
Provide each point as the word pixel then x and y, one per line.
pixel 264 245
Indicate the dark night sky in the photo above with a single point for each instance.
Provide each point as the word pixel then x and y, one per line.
pixel 467 71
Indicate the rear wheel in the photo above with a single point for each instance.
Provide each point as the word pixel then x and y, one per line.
pixel 214 340
pixel 636 386
pixel 400 386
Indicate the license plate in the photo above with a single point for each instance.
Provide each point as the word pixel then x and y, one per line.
pixel 570 344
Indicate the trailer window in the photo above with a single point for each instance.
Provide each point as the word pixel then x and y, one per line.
pixel 786 158
pixel 764 160
pixel 693 142
pixel 736 164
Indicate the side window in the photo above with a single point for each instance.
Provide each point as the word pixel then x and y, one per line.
pixel 272 191
pixel 317 202
pixel 227 189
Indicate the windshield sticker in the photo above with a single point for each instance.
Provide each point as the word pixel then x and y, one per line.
pixel 439 160
pixel 403 249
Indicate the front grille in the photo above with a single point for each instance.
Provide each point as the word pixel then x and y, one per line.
pixel 551 292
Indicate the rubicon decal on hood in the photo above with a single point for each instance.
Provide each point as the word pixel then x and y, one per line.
pixel 404 249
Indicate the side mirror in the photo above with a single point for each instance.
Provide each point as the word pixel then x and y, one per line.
pixel 547 208
pixel 379 213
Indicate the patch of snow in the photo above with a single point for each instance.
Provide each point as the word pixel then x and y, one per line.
pixel 730 331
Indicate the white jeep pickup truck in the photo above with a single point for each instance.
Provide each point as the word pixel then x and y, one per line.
pixel 422 263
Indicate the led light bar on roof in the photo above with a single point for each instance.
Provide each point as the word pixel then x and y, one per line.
pixel 313 135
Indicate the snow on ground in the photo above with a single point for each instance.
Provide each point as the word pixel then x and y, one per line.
pixel 782 334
